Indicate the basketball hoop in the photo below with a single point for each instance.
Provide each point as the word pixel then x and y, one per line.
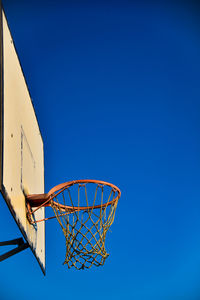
pixel 85 210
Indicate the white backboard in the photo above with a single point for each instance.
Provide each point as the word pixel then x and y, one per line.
pixel 21 146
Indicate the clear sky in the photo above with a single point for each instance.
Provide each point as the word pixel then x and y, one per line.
pixel 115 85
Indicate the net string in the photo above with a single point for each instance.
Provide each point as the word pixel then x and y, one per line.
pixel 85 230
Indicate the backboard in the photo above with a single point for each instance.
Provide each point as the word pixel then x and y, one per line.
pixel 21 144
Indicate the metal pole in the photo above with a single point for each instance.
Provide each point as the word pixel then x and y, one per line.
pixel 21 246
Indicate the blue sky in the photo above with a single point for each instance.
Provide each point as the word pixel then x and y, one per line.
pixel 115 86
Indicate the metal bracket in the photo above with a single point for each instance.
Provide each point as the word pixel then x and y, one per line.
pixel 21 246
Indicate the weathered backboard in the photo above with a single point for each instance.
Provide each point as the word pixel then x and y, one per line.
pixel 21 144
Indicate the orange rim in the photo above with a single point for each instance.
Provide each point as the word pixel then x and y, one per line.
pixel 45 200
pixel 63 186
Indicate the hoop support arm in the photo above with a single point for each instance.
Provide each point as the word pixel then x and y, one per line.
pixel 21 246
pixel 36 200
